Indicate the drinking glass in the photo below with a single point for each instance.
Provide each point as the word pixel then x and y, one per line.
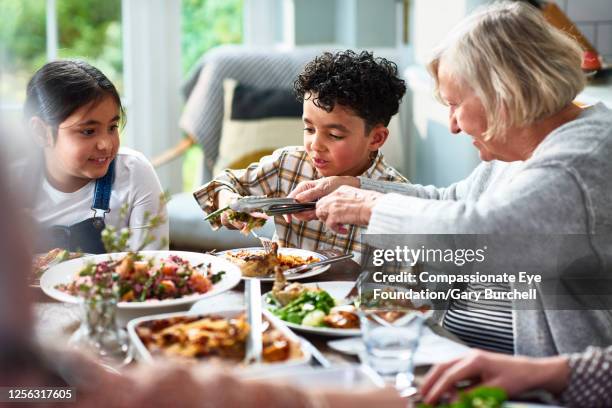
pixel 99 333
pixel 390 343
pixel 391 327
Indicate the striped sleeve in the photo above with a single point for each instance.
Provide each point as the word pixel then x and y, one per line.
pixel 259 178
pixel 590 382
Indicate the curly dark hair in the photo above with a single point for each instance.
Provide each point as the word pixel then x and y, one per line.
pixel 367 85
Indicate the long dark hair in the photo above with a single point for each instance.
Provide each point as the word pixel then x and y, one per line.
pixel 61 87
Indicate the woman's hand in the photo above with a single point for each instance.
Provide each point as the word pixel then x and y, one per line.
pixel 346 205
pixel 312 190
pixel 514 374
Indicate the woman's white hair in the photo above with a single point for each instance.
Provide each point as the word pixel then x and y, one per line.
pixel 522 68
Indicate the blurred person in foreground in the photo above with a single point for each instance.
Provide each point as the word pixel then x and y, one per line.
pixel 23 363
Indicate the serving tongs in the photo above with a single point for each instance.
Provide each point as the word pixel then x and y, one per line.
pixel 266 205
pixel 270 206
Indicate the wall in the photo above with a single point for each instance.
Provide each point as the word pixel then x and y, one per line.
pixel 348 23
pixel 594 19
pixel 435 155
pixel 314 21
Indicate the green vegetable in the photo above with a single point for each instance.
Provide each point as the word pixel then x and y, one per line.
pixel 147 285
pixel 88 270
pixel 479 397
pixel 314 318
pixel 271 300
pixel 216 277
pixel 216 214
pixel 62 256
pixel 296 310
pixel 252 222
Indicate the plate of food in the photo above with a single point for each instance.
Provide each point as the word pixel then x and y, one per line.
pixel 261 263
pixel 323 308
pixel 220 335
pixel 42 262
pixel 143 280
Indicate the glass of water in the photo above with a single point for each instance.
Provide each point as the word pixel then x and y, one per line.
pixel 391 338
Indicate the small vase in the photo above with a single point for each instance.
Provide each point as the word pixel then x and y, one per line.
pixel 99 333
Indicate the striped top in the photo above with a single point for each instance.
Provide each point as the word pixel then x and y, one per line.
pixel 486 324
pixel 590 383
pixel 276 176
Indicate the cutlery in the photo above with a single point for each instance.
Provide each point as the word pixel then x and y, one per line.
pixel 307 267
pixel 254 345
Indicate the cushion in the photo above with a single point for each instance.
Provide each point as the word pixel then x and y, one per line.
pixel 256 121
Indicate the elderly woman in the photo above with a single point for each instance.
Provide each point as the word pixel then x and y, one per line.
pixel 509 79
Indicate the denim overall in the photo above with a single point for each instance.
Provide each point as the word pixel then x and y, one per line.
pixel 84 236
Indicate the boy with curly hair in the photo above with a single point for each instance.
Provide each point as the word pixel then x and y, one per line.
pixel 348 101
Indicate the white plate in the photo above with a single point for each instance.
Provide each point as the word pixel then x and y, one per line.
pixel 337 290
pixel 254 370
pixel 65 272
pixel 433 349
pixel 285 251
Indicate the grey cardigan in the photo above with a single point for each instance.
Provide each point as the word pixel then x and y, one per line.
pixel 565 187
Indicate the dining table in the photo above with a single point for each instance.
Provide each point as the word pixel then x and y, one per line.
pixel 58 321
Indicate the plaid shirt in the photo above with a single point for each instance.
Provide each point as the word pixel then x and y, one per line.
pixel 276 176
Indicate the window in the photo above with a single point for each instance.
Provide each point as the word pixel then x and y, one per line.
pixel 35 31
pixel 134 42
pixel 91 30
pixel 22 47
pixel 205 24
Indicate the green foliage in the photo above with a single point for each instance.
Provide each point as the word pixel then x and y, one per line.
pixel 88 29
pixel 118 240
pixel 22 32
pixel 192 167
pixel 207 23
pixel 479 397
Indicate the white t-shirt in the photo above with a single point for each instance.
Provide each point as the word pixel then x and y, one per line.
pixel 135 183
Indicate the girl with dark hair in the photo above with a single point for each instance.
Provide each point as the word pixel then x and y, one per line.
pixel 74 113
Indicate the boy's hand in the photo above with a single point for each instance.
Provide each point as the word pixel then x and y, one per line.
pixel 346 205
pixel 228 217
pixel 315 189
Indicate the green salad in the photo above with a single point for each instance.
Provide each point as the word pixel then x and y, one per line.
pixel 309 309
